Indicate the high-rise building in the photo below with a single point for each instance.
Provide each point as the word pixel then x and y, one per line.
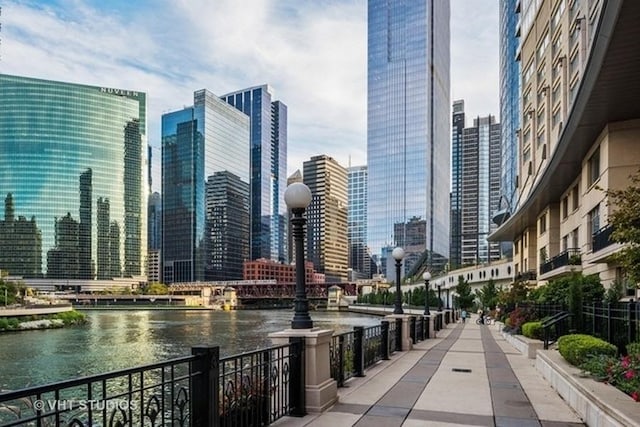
pixel 479 190
pixel 408 126
pixel 197 142
pixel 458 124
pixel 268 170
pixel 359 257
pixel 227 226
pixel 326 238
pixel 154 221
pixel 291 248
pixel 64 148
pixel 509 108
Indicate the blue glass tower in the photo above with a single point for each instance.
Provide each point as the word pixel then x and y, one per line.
pixel 359 258
pixel 197 142
pixel 73 173
pixel 268 170
pixel 408 132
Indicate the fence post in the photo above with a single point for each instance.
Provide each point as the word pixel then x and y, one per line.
pixel 358 351
pixel 398 334
pixel 205 386
pixel 631 330
pixel 427 327
pixel 384 325
pixel 412 329
pixel 265 415
pixel 608 322
pixel 297 398
pixel 424 325
pixel 340 360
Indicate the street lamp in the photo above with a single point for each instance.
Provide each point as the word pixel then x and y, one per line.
pixel 439 298
pixel 447 305
pixel 426 276
pixel 297 196
pixel 398 254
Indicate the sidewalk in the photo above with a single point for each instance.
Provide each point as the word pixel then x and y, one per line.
pixel 469 375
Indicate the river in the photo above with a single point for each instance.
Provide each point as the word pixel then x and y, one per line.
pixel 118 339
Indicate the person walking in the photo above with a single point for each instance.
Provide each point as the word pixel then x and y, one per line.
pixel 463 316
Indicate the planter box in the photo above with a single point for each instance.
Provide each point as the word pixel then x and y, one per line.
pixel 527 346
pixel 598 404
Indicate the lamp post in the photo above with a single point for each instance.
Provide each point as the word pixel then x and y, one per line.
pixel 297 196
pixel 426 276
pixel 439 298
pixel 398 254
pixel 447 305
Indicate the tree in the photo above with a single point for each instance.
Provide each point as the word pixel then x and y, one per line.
pixel 625 220
pixel 615 292
pixel 488 295
pixel 465 296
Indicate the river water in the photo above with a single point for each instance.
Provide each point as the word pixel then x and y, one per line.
pixel 115 339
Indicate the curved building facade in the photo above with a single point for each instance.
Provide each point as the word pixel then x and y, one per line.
pixel 73 178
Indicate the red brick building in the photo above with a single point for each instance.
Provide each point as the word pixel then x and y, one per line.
pixel 264 269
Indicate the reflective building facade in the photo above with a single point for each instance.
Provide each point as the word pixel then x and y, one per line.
pixel 197 142
pixel 408 126
pixel 268 170
pixel 69 150
pixel 359 258
pixel 458 123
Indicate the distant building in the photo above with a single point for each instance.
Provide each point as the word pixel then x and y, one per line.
pixel 408 125
pixel 67 147
pixel 326 238
pixel 264 269
pixel 291 249
pixel 360 262
pixel 197 142
pixel 268 169
pixel 455 236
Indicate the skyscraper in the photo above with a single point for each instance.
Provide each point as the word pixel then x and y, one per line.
pixel 268 170
pixel 197 142
pixel 479 190
pixel 455 249
pixel 327 243
pixel 359 258
pixel 408 130
pixel 65 147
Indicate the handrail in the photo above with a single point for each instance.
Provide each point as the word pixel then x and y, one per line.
pixel 553 321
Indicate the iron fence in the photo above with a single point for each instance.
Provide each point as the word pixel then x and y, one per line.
pixel 616 323
pixel 251 389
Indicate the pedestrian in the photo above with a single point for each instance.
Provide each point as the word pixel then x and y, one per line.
pixel 481 316
pixel 463 315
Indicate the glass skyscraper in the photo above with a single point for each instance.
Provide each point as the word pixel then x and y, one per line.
pixel 455 247
pixel 73 178
pixel 268 170
pixel 408 132
pixel 359 258
pixel 197 142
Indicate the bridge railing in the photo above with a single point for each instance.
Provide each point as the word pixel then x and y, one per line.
pixel 253 388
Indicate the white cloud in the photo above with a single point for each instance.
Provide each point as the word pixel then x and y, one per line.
pixel 312 53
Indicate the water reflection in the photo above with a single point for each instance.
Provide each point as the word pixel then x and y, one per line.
pixel 120 339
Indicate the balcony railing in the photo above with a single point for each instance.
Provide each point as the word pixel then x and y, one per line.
pixel 525 276
pixel 569 257
pixel 602 238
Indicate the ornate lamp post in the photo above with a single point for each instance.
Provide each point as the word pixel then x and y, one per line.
pixel 439 297
pixel 297 196
pixel 398 254
pixel 426 276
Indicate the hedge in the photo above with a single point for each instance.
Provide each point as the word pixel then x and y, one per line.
pixel 577 347
pixel 533 330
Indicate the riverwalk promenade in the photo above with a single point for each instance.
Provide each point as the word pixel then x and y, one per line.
pixel 469 375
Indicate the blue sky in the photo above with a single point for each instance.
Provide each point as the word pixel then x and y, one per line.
pixel 311 52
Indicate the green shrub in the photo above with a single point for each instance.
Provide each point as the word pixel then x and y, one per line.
pixel 72 317
pixel 599 366
pixel 633 348
pixel 576 348
pixel 533 330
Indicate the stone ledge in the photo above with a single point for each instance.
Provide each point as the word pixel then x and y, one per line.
pixel 598 404
pixel 524 345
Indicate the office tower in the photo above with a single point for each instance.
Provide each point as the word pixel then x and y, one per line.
pixel 578 134
pixel 154 221
pixel 359 258
pixel 197 142
pixel 64 147
pixel 479 190
pixel 326 238
pixel 458 124
pixel 509 110
pixel 408 127
pixel 268 170
pixel 227 226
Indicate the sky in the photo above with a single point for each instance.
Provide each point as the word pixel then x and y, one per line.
pixel 311 52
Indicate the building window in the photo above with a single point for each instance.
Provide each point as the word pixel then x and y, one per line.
pixel 565 243
pixel 542 226
pixel 575 242
pixel 565 207
pixel 576 197
pixel 594 167
pixel 542 47
pixel 593 223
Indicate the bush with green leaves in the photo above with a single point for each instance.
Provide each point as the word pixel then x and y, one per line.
pixel 599 366
pixel 533 330
pixel 633 348
pixel 576 348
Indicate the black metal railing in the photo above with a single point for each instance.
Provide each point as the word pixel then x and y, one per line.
pixel 251 389
pixel 567 257
pixel 554 327
pixel 540 310
pixel 617 323
pixel 525 276
pixel 602 238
